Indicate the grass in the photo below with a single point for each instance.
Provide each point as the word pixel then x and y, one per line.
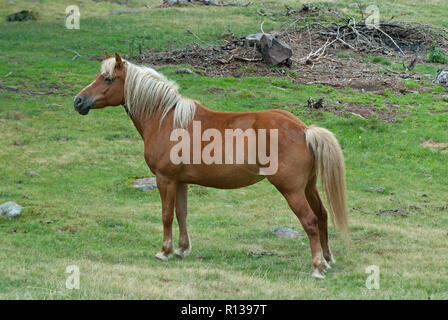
pixel 378 59
pixel 85 165
pixel 343 55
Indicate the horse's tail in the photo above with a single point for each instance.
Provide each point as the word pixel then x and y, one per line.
pixel 329 160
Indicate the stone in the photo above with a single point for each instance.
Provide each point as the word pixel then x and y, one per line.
pixel 145 184
pixel 33 174
pixel 185 70
pixel 274 51
pixel 442 76
pixel 259 252
pixel 254 38
pixel 23 15
pixel 283 232
pixel 374 189
pixel 10 209
pixel 10 88
pixel 118 11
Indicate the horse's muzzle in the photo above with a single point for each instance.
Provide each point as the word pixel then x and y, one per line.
pixel 82 104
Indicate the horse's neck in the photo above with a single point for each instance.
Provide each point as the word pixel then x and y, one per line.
pixel 147 126
pixel 139 122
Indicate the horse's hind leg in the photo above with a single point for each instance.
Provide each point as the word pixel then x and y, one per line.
pixel 312 195
pixel 184 246
pixel 299 205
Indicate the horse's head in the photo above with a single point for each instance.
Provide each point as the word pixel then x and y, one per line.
pixel 106 90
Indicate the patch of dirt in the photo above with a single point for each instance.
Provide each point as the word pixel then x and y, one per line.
pixel 241 59
pixel 361 110
pixel 217 90
pixel 393 212
pixel 434 145
pixel 344 64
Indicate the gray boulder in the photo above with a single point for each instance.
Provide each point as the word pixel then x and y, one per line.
pixel 145 184
pixel 283 232
pixel 274 51
pixel 10 209
pixel 442 76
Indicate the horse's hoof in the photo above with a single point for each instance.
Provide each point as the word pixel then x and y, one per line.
pixel 181 253
pixel 317 274
pixel 330 259
pixel 326 265
pixel 162 256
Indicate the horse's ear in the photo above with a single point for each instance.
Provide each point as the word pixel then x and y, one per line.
pixel 118 61
pixel 107 54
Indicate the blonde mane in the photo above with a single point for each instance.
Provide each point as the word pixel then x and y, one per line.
pixel 146 90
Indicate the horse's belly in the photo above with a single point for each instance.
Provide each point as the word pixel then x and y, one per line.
pixel 222 176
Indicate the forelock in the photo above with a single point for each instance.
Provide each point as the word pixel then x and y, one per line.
pixel 108 67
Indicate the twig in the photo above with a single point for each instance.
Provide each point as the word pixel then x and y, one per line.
pixel 194 34
pixel 248 59
pixel 76 56
pixel 261 27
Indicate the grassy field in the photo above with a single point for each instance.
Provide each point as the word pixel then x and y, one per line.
pixel 80 209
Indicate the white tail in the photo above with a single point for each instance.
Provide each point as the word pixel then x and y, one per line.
pixel 330 162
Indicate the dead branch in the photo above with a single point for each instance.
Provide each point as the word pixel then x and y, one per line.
pixel 196 36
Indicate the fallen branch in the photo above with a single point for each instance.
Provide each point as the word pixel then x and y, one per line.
pixel 76 56
pixel 194 34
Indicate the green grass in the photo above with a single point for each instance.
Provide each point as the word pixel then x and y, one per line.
pixel 85 165
pixel 378 59
pixel 343 55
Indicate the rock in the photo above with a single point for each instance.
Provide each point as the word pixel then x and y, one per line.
pixel 442 76
pixel 167 3
pixel 185 70
pixel 254 38
pixel 258 252
pixel 315 104
pixel 10 209
pixel 274 51
pixel 118 11
pixel 145 184
pixel 23 15
pixel 33 173
pixel 10 88
pixel 374 189
pixel 283 232
pixel 116 227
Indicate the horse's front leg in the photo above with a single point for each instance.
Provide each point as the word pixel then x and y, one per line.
pixel 184 247
pixel 167 189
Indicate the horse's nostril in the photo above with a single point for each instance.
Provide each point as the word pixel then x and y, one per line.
pixel 78 102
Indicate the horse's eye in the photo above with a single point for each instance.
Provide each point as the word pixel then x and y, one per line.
pixel 108 80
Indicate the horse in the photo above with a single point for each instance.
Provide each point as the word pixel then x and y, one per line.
pixel 162 115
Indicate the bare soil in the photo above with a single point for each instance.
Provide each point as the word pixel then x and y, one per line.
pixel 237 59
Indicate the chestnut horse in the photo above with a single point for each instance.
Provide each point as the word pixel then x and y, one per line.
pixel 160 114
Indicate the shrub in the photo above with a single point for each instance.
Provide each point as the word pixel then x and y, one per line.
pixel 436 55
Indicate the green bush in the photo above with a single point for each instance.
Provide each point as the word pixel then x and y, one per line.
pixel 436 55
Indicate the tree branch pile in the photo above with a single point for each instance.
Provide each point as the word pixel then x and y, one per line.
pixel 219 3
